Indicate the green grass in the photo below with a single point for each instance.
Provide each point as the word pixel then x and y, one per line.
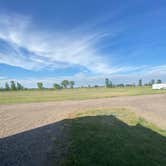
pixel 114 137
pixel 71 94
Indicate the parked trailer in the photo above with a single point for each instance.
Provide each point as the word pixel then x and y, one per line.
pixel 159 86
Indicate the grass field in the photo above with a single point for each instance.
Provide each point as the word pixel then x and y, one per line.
pixel 71 94
pixel 115 137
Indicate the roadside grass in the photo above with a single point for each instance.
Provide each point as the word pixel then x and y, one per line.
pixel 114 137
pixel 9 97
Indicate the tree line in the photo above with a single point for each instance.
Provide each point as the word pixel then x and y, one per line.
pixel 12 85
pixel 63 84
pixel 109 84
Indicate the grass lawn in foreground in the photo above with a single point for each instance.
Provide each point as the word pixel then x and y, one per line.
pixel 8 97
pixel 114 137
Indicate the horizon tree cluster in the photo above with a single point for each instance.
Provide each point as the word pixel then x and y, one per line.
pixel 14 86
pixel 63 85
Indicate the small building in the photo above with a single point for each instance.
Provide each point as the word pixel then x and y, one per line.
pixel 159 86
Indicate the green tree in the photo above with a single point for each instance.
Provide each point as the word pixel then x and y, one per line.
pixel 19 86
pixel 152 81
pixel 140 82
pixel 40 85
pixel 120 85
pixel 57 86
pixel 159 81
pixel 7 87
pixel 71 83
pixel 107 82
pixel 65 83
pixel 110 84
pixel 13 85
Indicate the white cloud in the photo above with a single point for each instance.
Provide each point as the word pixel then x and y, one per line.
pixel 157 70
pixel 29 47
pixel 34 49
pixel 49 49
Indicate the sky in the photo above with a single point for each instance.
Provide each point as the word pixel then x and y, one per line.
pixel 81 40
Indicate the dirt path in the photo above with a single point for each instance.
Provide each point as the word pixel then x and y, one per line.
pixel 21 117
pixel 26 130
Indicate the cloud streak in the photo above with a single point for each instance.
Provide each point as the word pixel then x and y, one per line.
pixel 25 45
pixel 31 48
pixel 34 49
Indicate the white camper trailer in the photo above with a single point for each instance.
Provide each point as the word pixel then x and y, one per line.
pixel 159 86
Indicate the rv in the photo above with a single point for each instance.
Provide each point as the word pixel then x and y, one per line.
pixel 159 86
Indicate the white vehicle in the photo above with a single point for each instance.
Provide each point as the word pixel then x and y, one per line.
pixel 159 86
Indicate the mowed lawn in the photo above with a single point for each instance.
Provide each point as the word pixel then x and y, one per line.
pixel 7 97
pixel 114 137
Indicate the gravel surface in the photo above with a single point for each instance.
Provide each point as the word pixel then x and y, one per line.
pixel 28 132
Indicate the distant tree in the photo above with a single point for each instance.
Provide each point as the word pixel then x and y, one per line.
pixel 13 85
pixel 129 85
pixel 108 83
pixel 148 84
pixel 140 82
pixel 65 83
pixel 57 86
pixel 152 81
pixel 159 81
pixel 1 88
pixel 120 85
pixel 71 83
pixel 40 85
pixel 7 87
pixel 19 86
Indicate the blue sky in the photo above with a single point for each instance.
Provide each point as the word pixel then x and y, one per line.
pixel 82 40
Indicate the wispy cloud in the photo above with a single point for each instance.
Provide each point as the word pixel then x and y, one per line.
pixel 31 48
pixel 34 49
pixel 158 70
pixel 24 44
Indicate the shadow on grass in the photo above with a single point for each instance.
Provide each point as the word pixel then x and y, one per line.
pixel 85 141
